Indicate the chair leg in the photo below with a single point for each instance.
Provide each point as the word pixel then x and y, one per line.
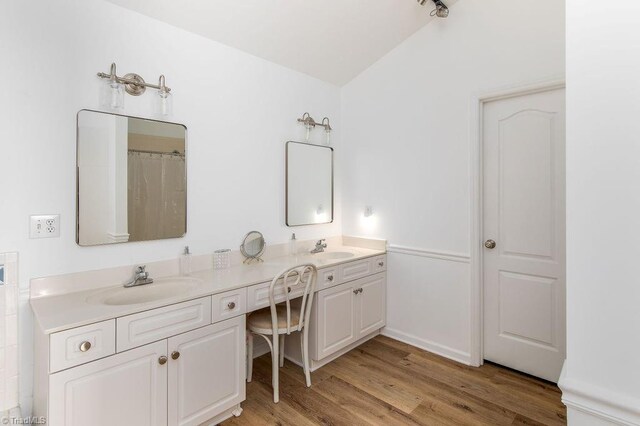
pixel 275 369
pixel 249 356
pixel 282 350
pixel 305 355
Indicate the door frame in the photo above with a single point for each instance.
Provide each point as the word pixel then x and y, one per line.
pixel 476 352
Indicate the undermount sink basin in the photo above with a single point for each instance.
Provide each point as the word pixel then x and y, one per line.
pixel 161 288
pixel 333 255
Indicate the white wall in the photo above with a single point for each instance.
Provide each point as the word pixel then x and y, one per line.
pixel 603 210
pixel 240 110
pixel 406 142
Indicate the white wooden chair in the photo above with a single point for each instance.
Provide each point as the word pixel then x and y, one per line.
pixel 277 321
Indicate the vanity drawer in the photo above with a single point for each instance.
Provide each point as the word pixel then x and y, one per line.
pixel 82 344
pixel 327 278
pixel 354 270
pixel 156 324
pixel 379 264
pixel 258 295
pixel 228 305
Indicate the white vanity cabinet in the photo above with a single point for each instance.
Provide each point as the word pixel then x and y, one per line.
pixel 184 364
pixel 193 372
pixel 371 304
pixel 129 388
pixel 206 372
pixel 347 313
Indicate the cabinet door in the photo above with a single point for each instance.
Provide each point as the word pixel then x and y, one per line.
pixel 371 304
pixel 335 320
pixel 208 375
pixel 129 388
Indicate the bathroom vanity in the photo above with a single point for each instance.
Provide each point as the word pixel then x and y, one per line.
pixel 174 353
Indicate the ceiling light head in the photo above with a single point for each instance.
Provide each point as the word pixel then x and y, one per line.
pixel 441 10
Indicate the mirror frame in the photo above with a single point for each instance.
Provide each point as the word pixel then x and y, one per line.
pixel 257 257
pixel 286 184
pixel 186 176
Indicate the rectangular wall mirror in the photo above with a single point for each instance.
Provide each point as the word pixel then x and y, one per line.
pixel 131 179
pixel 309 184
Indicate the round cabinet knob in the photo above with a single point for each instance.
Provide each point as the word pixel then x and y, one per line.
pixel 162 360
pixel 175 355
pixel 490 244
pixel 360 290
pixel 85 346
pixel 289 290
pixel 355 291
pixel 330 278
pixel 231 305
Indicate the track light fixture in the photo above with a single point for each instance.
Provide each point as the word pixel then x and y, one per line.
pixel 310 124
pixel 441 10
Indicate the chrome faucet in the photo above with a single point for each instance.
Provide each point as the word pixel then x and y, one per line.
pixel 141 277
pixel 320 246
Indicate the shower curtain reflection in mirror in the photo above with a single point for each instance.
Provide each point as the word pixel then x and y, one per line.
pixel 132 183
pixel 156 190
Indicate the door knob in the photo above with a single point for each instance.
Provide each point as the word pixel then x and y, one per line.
pixel 490 244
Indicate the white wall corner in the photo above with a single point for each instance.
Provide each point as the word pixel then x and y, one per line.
pixel 591 405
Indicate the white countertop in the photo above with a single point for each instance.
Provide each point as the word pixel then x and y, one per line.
pixel 61 312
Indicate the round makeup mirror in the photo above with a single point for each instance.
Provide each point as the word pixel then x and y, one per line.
pixel 253 246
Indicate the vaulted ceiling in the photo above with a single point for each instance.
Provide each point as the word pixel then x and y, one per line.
pixel 333 40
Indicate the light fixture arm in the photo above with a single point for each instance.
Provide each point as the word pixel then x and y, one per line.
pixel 309 122
pixel 134 84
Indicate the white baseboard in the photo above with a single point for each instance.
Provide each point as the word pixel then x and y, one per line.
pixel 600 406
pixel 429 346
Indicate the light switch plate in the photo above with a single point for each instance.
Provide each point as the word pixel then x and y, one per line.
pixel 44 226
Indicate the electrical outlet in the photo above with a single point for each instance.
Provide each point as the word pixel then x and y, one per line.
pixel 44 226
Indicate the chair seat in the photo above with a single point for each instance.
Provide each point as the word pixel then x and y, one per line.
pixel 260 321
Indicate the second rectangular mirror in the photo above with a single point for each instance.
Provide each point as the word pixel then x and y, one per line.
pixel 309 184
pixel 132 182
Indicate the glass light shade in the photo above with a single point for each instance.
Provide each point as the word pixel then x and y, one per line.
pixel 112 95
pixel 328 139
pixel 307 133
pixel 163 103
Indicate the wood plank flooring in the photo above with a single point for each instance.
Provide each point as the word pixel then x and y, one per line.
pixel 386 382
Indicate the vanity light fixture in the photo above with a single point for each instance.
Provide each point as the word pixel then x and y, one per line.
pixel 112 91
pixel 327 129
pixel 310 124
pixel 163 100
pixel 112 97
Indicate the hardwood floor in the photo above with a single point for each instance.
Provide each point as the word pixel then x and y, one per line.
pixel 386 382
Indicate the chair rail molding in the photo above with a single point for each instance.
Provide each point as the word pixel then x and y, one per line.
pixel 606 407
pixel 434 254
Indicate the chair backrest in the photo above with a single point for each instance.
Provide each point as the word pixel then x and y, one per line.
pixel 301 276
